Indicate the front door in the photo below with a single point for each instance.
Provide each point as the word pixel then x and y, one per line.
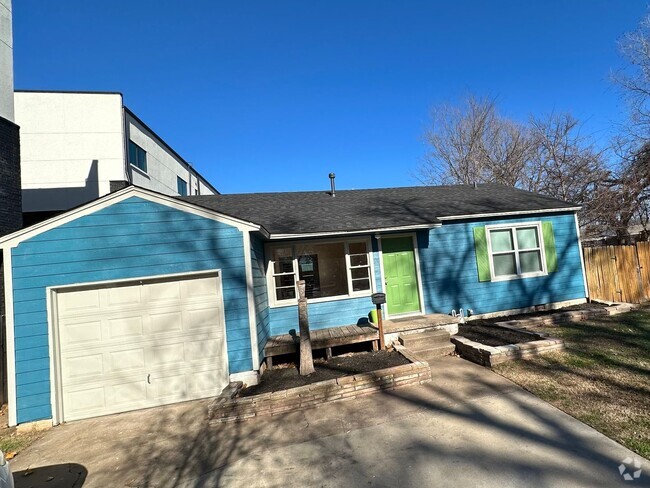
pixel 400 275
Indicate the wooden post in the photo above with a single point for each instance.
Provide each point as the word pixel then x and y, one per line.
pixel 306 358
pixel 380 325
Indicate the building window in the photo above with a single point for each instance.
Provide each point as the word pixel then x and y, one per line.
pixel 516 251
pixel 137 156
pixel 329 269
pixel 181 186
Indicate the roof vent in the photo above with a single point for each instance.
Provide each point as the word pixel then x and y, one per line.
pixel 332 185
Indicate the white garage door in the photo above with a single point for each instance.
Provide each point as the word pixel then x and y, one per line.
pixel 140 345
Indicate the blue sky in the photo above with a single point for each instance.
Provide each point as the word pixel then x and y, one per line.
pixel 272 96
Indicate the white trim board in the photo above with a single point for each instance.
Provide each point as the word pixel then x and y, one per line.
pixel 250 294
pixel 16 238
pixel 355 232
pixel 10 338
pixel 582 257
pixel 509 214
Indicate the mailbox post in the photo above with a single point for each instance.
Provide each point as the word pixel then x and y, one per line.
pixel 379 299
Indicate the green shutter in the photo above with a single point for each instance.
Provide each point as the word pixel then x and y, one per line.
pixel 549 247
pixel 482 257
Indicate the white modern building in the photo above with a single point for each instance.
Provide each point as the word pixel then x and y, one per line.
pixel 78 146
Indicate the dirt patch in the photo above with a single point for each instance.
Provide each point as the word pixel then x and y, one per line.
pixel 491 335
pixel 284 377
pixel 12 441
pixel 541 313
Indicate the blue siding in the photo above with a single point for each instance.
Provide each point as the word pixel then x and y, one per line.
pixel 450 275
pixel 262 319
pixel 129 239
pixel 322 315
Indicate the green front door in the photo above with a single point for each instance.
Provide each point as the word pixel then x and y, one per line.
pixel 400 275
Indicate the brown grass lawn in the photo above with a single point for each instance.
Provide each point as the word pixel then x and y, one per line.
pixel 602 379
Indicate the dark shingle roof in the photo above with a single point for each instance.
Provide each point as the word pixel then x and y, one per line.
pixel 358 210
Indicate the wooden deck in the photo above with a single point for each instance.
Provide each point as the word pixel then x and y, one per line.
pixel 321 339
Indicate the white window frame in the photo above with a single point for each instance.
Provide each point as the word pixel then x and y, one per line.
pixel 512 228
pixel 270 271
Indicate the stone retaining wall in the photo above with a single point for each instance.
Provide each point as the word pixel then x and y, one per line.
pixel 489 356
pixel 225 409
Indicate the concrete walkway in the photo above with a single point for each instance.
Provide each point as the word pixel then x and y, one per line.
pixel 469 427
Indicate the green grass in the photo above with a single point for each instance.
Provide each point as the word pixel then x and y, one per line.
pixel 602 379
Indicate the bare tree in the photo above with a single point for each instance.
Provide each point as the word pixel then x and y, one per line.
pixel 566 164
pixel 634 79
pixel 474 143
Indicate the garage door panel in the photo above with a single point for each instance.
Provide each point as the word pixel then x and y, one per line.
pixel 202 318
pixel 133 393
pixel 122 295
pixel 140 345
pixel 125 327
pixel 203 288
pixel 126 360
pixel 166 322
pixel 166 355
pixel 87 301
pixel 164 292
pixel 83 333
pixel 85 400
pixel 170 387
pixel 82 368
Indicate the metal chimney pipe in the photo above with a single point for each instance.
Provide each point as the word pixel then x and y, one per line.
pixel 332 185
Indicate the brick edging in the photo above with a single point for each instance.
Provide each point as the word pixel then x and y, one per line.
pixel 489 355
pixel 345 388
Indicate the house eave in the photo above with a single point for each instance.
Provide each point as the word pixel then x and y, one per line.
pixel 509 214
pixel 15 238
pixel 377 230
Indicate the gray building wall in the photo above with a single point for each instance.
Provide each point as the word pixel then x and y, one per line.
pixel 6 62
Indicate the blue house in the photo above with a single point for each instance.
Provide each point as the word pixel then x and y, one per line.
pixel 140 299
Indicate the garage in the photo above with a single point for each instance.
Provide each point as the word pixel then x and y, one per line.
pixel 135 344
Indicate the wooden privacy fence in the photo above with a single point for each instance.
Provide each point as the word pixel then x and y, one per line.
pixel 619 273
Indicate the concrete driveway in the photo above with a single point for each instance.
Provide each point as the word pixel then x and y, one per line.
pixel 468 427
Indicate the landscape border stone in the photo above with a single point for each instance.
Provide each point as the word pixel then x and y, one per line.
pixel 490 355
pixel 227 408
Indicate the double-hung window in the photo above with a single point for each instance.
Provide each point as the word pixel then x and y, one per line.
pixel 137 156
pixel 329 269
pixel 516 251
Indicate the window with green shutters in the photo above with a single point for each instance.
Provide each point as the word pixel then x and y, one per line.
pixel 515 251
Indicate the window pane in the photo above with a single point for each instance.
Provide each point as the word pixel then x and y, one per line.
pixel 285 293
pixel 283 260
pixel 504 265
pixel 322 266
pixel 181 186
pixel 527 238
pixel 358 273
pixel 501 240
pixel 357 248
pixel 530 261
pixel 284 281
pixel 361 285
pixel 133 156
pixel 359 260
